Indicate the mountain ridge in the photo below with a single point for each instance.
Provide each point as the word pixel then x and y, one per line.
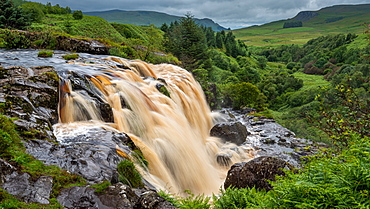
pixel 145 18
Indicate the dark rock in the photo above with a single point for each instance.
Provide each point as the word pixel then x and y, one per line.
pixel 5 170
pixel 88 46
pixel 255 173
pixel 305 16
pixel 118 196
pixel 80 197
pixel 30 94
pixel 223 159
pixel 81 84
pixel 152 200
pixel 21 186
pixel 234 132
pixel 268 141
pixel 92 156
pixel 258 122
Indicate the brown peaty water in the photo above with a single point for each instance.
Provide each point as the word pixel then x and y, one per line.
pixel 171 131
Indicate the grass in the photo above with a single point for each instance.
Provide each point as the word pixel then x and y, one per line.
pixel 70 56
pixel 88 26
pixel 13 150
pixel 350 20
pixel 45 54
pixel 311 81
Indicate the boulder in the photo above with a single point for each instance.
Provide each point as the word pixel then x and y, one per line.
pixel 234 132
pixel 255 173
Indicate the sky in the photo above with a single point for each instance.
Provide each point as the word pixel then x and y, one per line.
pixel 228 13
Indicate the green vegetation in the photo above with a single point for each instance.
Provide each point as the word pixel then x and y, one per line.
pixel 12 150
pixel 189 202
pixel 293 24
pixel 45 54
pixel 11 16
pixel 326 182
pixel 70 56
pixel 330 20
pixel 316 85
pixel 128 174
pixel 99 188
pixel 77 15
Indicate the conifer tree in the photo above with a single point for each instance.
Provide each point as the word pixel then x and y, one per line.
pixel 187 41
pixel 11 16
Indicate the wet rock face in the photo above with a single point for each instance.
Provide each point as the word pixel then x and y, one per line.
pixel 22 186
pixel 255 173
pixel 234 132
pixel 118 196
pixel 271 139
pixel 30 94
pixel 91 155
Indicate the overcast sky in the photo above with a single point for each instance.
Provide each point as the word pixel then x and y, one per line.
pixel 228 13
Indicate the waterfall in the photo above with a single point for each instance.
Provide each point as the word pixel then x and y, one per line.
pixel 164 112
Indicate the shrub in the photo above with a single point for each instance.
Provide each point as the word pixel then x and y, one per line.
pixel 45 54
pixel 128 174
pixel 293 24
pixel 77 15
pixel 240 198
pixel 15 39
pixel 327 181
pixel 245 95
pixel 189 202
pixel 11 16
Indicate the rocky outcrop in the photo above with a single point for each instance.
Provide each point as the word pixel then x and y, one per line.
pixel 234 132
pixel 305 16
pixel 271 139
pixel 256 173
pixel 91 155
pixel 30 95
pixel 62 42
pixel 118 196
pixel 23 186
pixel 78 45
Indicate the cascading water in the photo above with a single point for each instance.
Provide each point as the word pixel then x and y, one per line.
pixel 170 126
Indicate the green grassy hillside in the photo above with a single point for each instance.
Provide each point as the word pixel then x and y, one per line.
pixel 330 20
pixel 146 18
pixel 88 26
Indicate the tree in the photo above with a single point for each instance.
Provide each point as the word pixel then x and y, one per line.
pixel 77 15
pixel 164 27
pixel 246 95
pixel 11 16
pixel 293 24
pixel 186 40
pixel 34 10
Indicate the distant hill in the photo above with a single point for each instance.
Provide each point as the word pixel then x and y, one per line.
pixel 328 20
pixel 144 18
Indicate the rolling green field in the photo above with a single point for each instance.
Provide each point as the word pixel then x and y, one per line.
pixel 331 20
pixel 311 81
